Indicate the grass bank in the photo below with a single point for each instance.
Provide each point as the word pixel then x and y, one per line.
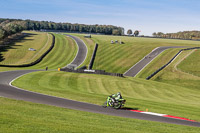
pixel 23 117
pixel 191 64
pixel 172 75
pixel 118 58
pixel 18 52
pixel 62 54
pixel 141 94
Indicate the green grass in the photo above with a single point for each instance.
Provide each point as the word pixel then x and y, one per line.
pixel 119 58
pixel 172 92
pixel 26 117
pixel 191 64
pixel 142 94
pixel 62 54
pixel 17 53
pixel 177 77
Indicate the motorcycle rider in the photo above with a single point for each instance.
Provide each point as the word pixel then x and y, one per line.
pixel 114 98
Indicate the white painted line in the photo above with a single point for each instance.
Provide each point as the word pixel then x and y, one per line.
pixel 134 65
pixel 78 51
pixel 141 60
pixel 163 115
pixel 154 49
pixel 149 62
pixel 86 52
pixel 151 113
pixel 18 77
pixel 41 93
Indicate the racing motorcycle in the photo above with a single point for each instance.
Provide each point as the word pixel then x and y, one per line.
pixel 116 104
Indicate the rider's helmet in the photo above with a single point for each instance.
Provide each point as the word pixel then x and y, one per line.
pixel 118 93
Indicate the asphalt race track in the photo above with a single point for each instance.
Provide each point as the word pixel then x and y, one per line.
pixel 134 70
pixel 9 91
pixel 19 94
pixel 81 54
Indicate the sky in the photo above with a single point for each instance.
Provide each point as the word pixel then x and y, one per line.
pixel 147 16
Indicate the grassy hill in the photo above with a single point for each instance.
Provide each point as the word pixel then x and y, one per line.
pixel 118 58
pixel 181 72
pixel 173 91
pixel 142 94
pixel 62 54
pixel 191 64
pixel 17 53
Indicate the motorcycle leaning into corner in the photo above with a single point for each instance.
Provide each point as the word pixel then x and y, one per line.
pixel 115 101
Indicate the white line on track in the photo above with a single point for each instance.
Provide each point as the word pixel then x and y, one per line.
pixel 148 63
pixel 10 84
pixel 86 52
pixel 143 59
pixel 162 115
pixel 78 51
pixel 151 113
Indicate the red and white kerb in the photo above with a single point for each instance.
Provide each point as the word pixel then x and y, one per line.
pixel 163 115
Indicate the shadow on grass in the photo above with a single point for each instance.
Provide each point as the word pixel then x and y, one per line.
pixel 11 43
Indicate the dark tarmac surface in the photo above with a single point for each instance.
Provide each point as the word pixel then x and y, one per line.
pixel 134 70
pixel 8 91
pixel 82 52
pixel 19 94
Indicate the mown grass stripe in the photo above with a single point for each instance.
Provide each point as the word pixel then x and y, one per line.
pixel 24 56
pixel 61 55
pixel 95 89
pixel 131 52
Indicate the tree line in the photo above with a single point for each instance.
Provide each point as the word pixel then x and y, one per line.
pixel 12 26
pixel 9 28
pixel 179 35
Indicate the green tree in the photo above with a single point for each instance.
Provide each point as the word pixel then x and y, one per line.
pixel 116 32
pixel 154 34
pixel 11 26
pixel 2 33
pixel 129 32
pixel 159 34
pixel 136 33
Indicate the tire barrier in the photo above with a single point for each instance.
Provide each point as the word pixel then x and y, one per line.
pixel 102 72
pixel 93 57
pixel 153 74
pixel 38 60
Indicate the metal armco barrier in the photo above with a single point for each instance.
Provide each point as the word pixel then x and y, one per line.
pixel 102 72
pixel 93 57
pixel 153 74
pixel 38 60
